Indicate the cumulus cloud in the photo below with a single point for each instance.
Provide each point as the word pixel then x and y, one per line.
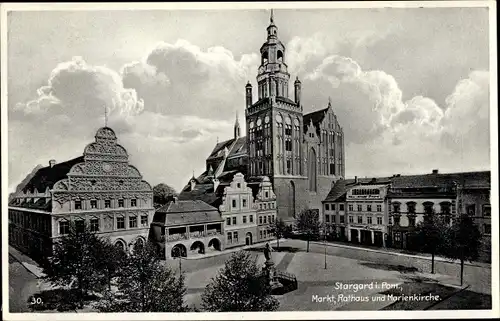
pixel 183 79
pixel 83 90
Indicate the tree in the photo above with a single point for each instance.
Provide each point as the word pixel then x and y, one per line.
pixel 75 261
pixel 308 223
pixel 163 193
pixel 280 229
pixel 430 236
pixel 463 242
pixel 110 259
pixel 146 285
pixel 239 286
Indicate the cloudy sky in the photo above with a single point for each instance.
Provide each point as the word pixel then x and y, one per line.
pixel 410 86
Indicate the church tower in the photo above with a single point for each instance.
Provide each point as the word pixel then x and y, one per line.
pixel 275 125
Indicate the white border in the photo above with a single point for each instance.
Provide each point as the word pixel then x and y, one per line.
pixel 257 315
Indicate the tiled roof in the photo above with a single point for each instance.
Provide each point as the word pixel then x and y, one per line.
pixel 187 212
pixel 48 176
pixel 440 184
pixel 467 179
pixel 218 150
pixel 239 147
pixel 316 117
pixel 338 190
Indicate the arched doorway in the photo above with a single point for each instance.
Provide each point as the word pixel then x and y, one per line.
pixel 248 239
pixel 292 198
pixel 312 172
pixel 179 250
pixel 120 244
pixel 214 244
pixel 198 246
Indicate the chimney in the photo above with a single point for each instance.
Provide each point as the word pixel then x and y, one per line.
pixel 435 171
pixel 355 180
pixel 52 162
pixel 175 199
pixel 297 85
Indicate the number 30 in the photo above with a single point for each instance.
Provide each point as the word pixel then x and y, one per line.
pixel 36 300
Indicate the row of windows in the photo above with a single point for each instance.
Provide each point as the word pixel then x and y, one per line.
pixel 263 219
pixel 232 236
pixel 333 206
pixel 364 191
pixel 34 221
pixel 359 207
pixel 94 225
pixel 265 206
pixel 470 209
pixel 266 233
pixel 94 204
pixel 244 203
pixel 369 220
pixel 233 220
pixel 333 219
pixel 446 207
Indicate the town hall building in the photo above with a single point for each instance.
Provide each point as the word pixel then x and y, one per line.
pixel 302 155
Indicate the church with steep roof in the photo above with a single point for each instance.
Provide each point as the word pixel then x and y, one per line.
pixel 301 154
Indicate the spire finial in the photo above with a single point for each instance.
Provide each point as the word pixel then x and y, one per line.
pixel 105 116
pixel 329 101
pixel 272 16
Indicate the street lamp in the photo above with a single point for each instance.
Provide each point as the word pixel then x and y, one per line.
pixel 324 241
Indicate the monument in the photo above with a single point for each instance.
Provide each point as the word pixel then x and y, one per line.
pixel 270 270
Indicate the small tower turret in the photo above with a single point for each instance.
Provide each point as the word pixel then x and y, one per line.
pixel 298 87
pixel 248 90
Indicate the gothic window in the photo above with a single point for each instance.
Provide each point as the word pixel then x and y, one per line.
pixel 121 203
pixel 78 204
pixel 133 202
pixel 332 169
pixel 312 172
pixel 107 203
pixel 93 203
pixel 288 166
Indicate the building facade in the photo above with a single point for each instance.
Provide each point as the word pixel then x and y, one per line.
pixel 182 228
pixel 239 213
pixel 99 189
pixel 265 203
pixel 367 213
pixel 386 211
pixel 301 154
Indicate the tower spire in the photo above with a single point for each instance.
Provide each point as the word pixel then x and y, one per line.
pixel 105 116
pixel 236 127
pixel 271 19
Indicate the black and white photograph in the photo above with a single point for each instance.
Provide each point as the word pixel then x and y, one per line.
pixel 249 160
